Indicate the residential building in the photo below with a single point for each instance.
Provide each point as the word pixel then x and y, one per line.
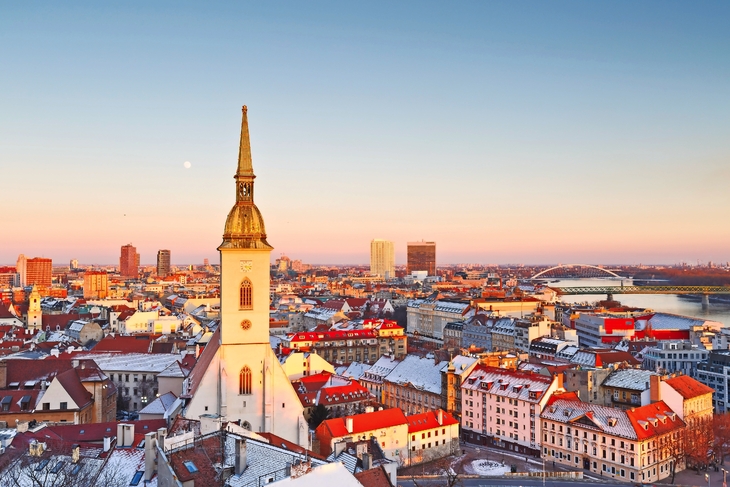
pixel 627 388
pixel 432 435
pixel 715 373
pixel 414 385
pixel 452 377
pixel 502 407
pixel 96 285
pixel 341 396
pixel 373 377
pixel 129 262
pixel 429 317
pixel 388 426
pixel 634 445
pixel 163 263
pixel 530 328
pixel 38 272
pixel 382 258
pixel 674 356
pixel 347 346
pixel 689 398
pixel 453 333
pixel 421 256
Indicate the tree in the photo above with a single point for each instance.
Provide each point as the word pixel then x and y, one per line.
pixel 721 427
pixel 699 439
pixel 319 414
pixel 673 448
pixel 450 477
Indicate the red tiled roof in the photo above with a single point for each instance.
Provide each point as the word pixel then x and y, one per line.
pixel 125 344
pixel 375 477
pixel 687 387
pixel 71 382
pixel 365 422
pixel 23 371
pixel 653 420
pixel 61 320
pixel 15 397
pixel 5 311
pixel 566 396
pixel 428 421
pixel 332 335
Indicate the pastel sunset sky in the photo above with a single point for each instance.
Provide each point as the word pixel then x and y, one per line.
pixel 507 132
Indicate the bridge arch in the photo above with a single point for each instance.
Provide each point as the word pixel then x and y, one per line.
pixel 564 266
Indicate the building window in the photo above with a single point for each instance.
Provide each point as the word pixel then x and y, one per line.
pixel 64 405
pixel 244 381
pixel 246 295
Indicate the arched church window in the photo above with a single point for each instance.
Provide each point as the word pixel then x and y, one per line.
pixel 246 296
pixel 244 381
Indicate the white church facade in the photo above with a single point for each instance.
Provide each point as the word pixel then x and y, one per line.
pixel 238 378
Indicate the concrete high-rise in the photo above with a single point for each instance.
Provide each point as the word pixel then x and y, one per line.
pixel 36 271
pixel 96 285
pixel 163 263
pixel 382 258
pixel 421 257
pixel 129 262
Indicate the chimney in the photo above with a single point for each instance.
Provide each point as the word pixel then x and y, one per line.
pixel 348 424
pixel 366 461
pixel 125 435
pixel 3 374
pixel 339 448
pixel 75 453
pixel 150 455
pixel 161 436
pixel 107 443
pixel 441 417
pixel 655 394
pixel 241 456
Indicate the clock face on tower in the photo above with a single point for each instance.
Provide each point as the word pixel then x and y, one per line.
pixel 246 265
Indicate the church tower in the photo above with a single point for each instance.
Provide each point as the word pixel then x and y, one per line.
pixel 34 316
pixel 242 379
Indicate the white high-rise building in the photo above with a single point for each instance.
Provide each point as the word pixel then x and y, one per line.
pixel 382 258
pixel 21 267
pixel 238 378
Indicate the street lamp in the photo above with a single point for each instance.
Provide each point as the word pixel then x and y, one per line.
pixel 707 477
pixel 724 478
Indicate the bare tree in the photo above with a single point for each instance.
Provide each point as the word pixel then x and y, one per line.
pixel 450 477
pixel 721 427
pixel 673 448
pixel 699 439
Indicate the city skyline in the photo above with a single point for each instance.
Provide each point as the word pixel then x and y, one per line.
pixel 566 133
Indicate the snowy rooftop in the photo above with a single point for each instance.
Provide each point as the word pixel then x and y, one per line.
pixel 355 370
pixel 613 421
pixel 160 404
pixel 666 321
pixel 132 362
pixel 381 368
pixel 634 379
pixel 461 363
pixel 519 385
pixel 422 373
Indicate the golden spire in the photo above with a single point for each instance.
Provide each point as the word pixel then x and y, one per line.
pixel 245 166
pixel 244 226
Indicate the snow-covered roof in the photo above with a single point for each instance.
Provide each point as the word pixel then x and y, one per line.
pixel 612 421
pixel 461 363
pixel 519 385
pixel 355 370
pixel 381 368
pixel 160 404
pixel 667 321
pixel 633 379
pixel 422 373
pixel 132 362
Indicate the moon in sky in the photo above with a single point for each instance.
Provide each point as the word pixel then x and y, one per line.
pixel 187 164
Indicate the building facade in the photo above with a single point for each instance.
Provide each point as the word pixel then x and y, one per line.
pixel 129 262
pixel 96 285
pixel 421 257
pixel 382 258
pixel 163 263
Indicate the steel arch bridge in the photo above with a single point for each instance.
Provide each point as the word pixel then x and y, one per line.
pixel 569 266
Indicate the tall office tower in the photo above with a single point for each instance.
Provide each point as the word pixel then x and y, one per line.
pixel 38 272
pixel 21 266
pixel 74 264
pixel 163 263
pixel 382 258
pixel 9 277
pixel 421 257
pixel 96 285
pixel 238 378
pixel 129 262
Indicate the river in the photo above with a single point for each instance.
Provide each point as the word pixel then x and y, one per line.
pixel 667 303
